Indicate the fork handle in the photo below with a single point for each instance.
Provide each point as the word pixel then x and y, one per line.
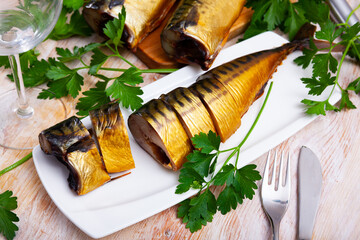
pixel 276 227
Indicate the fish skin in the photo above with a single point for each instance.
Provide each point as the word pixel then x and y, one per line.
pixel 57 139
pixel 157 129
pixel 218 101
pixel 245 77
pixel 142 17
pixel 190 110
pixel 198 29
pixel 112 138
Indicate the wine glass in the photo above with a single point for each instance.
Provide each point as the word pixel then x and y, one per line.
pixel 23 25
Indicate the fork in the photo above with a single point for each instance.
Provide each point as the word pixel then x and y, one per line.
pixel 275 197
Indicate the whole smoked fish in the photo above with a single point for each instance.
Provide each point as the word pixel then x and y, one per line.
pixel 198 30
pixel 227 93
pixel 112 137
pixel 142 17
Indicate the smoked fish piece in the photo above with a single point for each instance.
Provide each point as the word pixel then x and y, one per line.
pixel 112 138
pixel 71 143
pixel 192 113
pixel 57 139
pixel 198 30
pixel 142 17
pixel 221 106
pixel 87 171
pixel 157 129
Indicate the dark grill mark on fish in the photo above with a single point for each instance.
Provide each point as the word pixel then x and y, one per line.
pixel 222 72
pixel 228 67
pixel 184 95
pixel 245 59
pixel 234 65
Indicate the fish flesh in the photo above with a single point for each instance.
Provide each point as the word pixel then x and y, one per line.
pixel 142 17
pixel 112 138
pixel 226 91
pixel 190 110
pixel 87 171
pixel 157 129
pixel 198 29
pixel 71 143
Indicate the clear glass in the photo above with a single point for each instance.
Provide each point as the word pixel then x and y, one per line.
pixel 23 25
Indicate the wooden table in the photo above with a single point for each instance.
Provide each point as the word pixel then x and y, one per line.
pixel 334 138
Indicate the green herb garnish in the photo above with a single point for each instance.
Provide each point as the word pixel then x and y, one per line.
pixel 326 68
pixel 199 173
pixel 289 17
pixel 7 217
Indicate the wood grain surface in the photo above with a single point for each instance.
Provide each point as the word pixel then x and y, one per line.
pixel 335 138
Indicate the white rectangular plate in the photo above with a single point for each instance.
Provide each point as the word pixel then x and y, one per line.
pixel 150 188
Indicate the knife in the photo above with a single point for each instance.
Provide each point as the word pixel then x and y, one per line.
pixel 309 187
pixel 340 10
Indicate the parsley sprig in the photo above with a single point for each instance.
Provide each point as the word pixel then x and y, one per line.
pixel 64 80
pixel 326 68
pixel 7 217
pixel 199 173
pixel 289 17
pixel 71 22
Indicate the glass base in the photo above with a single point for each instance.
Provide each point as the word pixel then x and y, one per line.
pixel 21 132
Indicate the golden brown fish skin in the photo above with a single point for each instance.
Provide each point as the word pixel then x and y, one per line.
pixel 198 29
pixel 142 17
pixel 57 139
pixel 87 171
pixel 245 77
pixel 221 106
pixel 112 137
pixel 157 129
pixel 190 110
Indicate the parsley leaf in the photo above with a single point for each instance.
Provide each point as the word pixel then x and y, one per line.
pixel 199 210
pixel 94 98
pixel 76 26
pixel 207 142
pixel 74 4
pixel 114 29
pixel 7 217
pixel 289 17
pixel 123 88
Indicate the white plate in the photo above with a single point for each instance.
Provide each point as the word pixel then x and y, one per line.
pixel 150 188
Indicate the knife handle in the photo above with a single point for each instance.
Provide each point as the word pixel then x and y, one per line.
pixel 340 10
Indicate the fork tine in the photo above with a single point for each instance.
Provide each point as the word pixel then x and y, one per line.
pixel 273 177
pixel 288 181
pixel 281 172
pixel 266 171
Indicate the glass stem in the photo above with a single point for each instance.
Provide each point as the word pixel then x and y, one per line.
pixel 23 110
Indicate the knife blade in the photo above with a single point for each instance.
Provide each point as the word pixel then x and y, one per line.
pixel 309 187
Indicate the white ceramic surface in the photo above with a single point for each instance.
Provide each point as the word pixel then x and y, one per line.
pixel 150 188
